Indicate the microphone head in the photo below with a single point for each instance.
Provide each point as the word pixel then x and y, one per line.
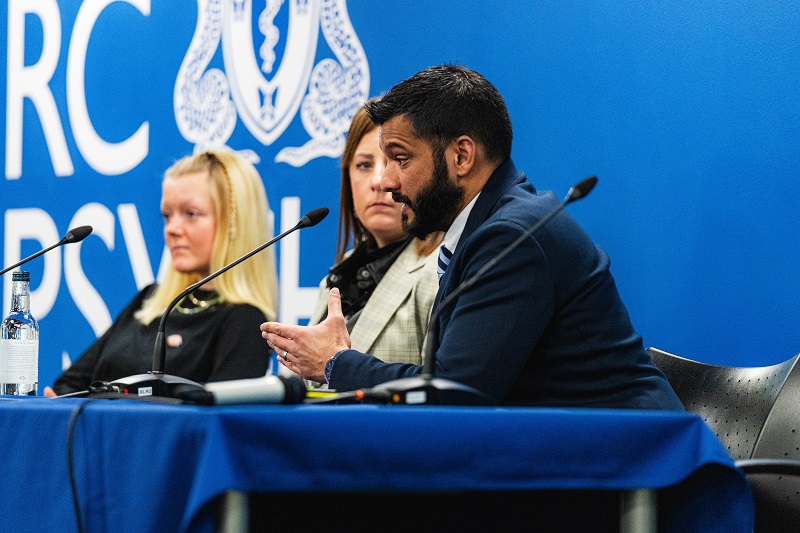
pixel 77 234
pixel 314 217
pixel 295 389
pixel 581 189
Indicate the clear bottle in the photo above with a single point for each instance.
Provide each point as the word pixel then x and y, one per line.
pixel 19 342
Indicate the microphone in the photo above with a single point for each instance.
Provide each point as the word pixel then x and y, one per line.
pixel 266 389
pixel 73 235
pixel 427 389
pixel 156 382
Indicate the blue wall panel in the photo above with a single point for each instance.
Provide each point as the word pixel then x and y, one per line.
pixel 687 111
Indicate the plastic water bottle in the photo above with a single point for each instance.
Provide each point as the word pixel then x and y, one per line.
pixel 19 342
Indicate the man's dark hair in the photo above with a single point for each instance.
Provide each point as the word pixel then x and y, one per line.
pixel 447 101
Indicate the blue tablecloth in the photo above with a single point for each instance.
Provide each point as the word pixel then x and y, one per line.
pixel 150 467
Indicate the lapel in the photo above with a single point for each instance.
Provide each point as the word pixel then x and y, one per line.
pixel 387 297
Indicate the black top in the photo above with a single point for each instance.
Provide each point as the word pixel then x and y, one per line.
pixel 220 343
pixel 358 275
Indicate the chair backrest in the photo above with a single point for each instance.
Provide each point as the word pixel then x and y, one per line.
pixel 777 495
pixel 735 402
pixel 755 412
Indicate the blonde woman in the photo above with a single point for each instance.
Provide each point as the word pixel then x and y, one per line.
pixel 215 210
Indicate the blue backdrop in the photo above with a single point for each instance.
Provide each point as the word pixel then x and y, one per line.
pixel 688 112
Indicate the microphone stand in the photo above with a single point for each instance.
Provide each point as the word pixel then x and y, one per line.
pixel 427 389
pixel 156 382
pixel 73 235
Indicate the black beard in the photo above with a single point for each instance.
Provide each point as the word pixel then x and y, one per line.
pixel 437 203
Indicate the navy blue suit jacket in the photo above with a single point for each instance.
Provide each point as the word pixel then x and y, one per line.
pixel 545 326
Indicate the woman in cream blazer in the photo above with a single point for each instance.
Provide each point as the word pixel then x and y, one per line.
pixel 393 323
pixel 388 280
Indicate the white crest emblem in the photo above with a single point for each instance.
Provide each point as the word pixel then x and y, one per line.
pixel 208 101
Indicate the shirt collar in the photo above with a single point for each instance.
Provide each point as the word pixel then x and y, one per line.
pixel 453 234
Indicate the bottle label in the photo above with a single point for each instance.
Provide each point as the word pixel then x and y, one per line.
pixel 19 362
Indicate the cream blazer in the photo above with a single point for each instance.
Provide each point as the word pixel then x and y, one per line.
pixel 394 321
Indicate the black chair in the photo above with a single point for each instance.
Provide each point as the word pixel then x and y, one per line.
pixel 755 412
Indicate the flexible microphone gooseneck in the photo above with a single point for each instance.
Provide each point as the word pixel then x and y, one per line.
pixel 427 389
pixel 156 382
pixel 73 235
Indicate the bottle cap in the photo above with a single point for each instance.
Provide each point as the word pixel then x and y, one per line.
pixel 20 275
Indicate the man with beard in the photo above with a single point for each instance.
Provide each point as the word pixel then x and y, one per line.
pixel 544 326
